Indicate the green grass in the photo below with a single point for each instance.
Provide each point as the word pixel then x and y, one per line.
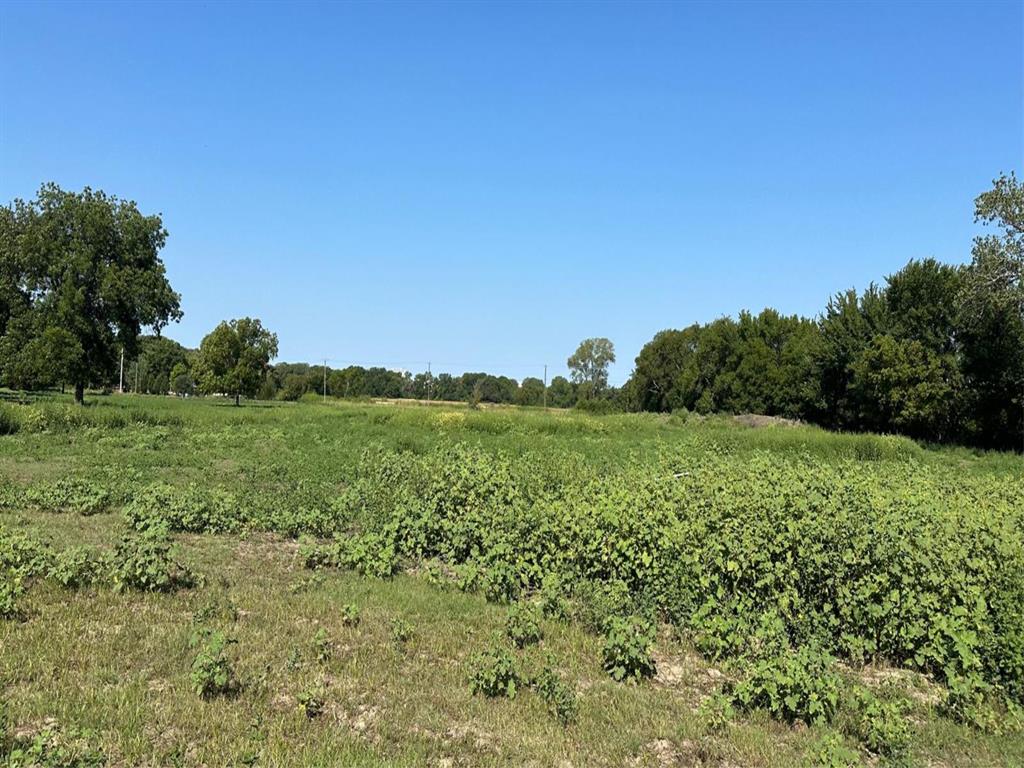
pixel 118 664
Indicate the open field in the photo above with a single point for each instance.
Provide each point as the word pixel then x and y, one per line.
pixel 343 576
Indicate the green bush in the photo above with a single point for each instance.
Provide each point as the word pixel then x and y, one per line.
pixel 190 509
pixel 880 726
pixel 212 673
pixel 559 697
pixel 523 625
pixel 144 561
pixel 10 593
pixel 323 648
pixel 494 672
pixel 350 615
pixel 715 713
pixel 627 649
pixel 401 631
pixel 75 567
pixel 69 495
pixel 797 685
pixel 10 422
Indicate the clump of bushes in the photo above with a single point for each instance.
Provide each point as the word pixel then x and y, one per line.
pixel 627 649
pixel 190 509
pixel 801 684
pixel 144 560
pixel 81 497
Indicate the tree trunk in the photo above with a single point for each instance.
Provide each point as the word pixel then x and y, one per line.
pixel 236 399
pixel 80 394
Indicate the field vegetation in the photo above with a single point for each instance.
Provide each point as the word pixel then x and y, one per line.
pixel 190 583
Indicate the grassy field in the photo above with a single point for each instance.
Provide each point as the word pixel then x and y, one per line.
pixel 343 577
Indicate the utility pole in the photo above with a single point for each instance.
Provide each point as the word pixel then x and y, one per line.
pixel 545 385
pixel 325 380
pixel 430 380
pixel 120 384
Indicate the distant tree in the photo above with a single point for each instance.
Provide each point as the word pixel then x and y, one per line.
pixel 589 365
pixel 181 380
pixel 82 268
pixel 847 326
pixel 991 307
pixel 531 392
pixel 904 386
pixel 561 393
pixel 157 357
pixel 234 358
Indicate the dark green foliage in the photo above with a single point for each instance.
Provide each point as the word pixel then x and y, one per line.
pixel 82 277
pixel 212 672
pixel 627 649
pixel 936 354
pixel 494 672
pixel 143 560
pixel 523 625
pixel 796 685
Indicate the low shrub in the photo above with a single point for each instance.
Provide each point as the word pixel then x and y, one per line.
pixel 494 672
pixel 350 615
pixel 627 649
pixel 10 594
pixel 715 713
pixel 190 509
pixel 144 560
pixel 323 648
pixel 81 497
pixel 559 697
pixel 523 625
pixel 880 726
pixel 212 673
pixel 312 701
pixel 798 685
pixel 401 631
pixel 75 567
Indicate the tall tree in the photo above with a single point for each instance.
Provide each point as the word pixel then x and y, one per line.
pixel 82 268
pixel 234 358
pixel 992 316
pixel 589 365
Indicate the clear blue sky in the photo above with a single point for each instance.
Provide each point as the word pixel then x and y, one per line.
pixel 484 185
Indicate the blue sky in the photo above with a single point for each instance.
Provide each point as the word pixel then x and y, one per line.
pixel 483 185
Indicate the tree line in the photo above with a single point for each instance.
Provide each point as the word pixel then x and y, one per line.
pixel 937 352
